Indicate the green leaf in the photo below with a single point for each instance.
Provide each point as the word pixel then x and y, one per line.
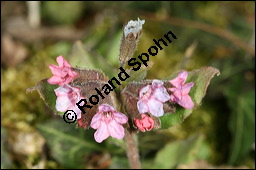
pixel 81 57
pixel 47 93
pixel 201 79
pixel 68 145
pixel 242 119
pixel 179 152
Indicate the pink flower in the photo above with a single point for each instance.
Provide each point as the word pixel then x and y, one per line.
pixel 108 122
pixel 146 123
pixel 180 91
pixel 62 74
pixel 152 98
pixel 67 97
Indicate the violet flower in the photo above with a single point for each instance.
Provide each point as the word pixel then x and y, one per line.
pixel 67 97
pixel 152 98
pixel 180 91
pixel 108 122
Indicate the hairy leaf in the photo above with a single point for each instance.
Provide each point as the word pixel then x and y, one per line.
pixel 88 81
pixel 88 90
pixel 89 74
pixel 201 79
pixel 178 152
pixel 47 93
pixel 128 47
pixel 68 145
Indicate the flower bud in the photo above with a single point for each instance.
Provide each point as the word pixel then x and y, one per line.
pixel 146 123
pixel 131 34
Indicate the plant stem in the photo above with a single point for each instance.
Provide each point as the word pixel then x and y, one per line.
pixel 132 151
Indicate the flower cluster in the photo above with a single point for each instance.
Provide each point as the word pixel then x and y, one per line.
pixel 67 96
pixel 152 97
pixel 107 120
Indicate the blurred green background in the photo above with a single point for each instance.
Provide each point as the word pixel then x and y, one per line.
pixel 219 134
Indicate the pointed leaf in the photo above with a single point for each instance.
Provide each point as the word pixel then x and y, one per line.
pixel 179 152
pixel 80 56
pixel 86 57
pixel 47 93
pixel 68 145
pixel 201 79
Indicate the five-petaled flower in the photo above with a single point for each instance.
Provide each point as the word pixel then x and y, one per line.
pixel 62 74
pixel 180 91
pixel 145 124
pixel 108 122
pixel 152 98
pixel 67 97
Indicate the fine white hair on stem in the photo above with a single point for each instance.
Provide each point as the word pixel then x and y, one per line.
pixel 133 26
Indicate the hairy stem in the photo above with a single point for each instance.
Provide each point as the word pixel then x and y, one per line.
pixel 132 151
